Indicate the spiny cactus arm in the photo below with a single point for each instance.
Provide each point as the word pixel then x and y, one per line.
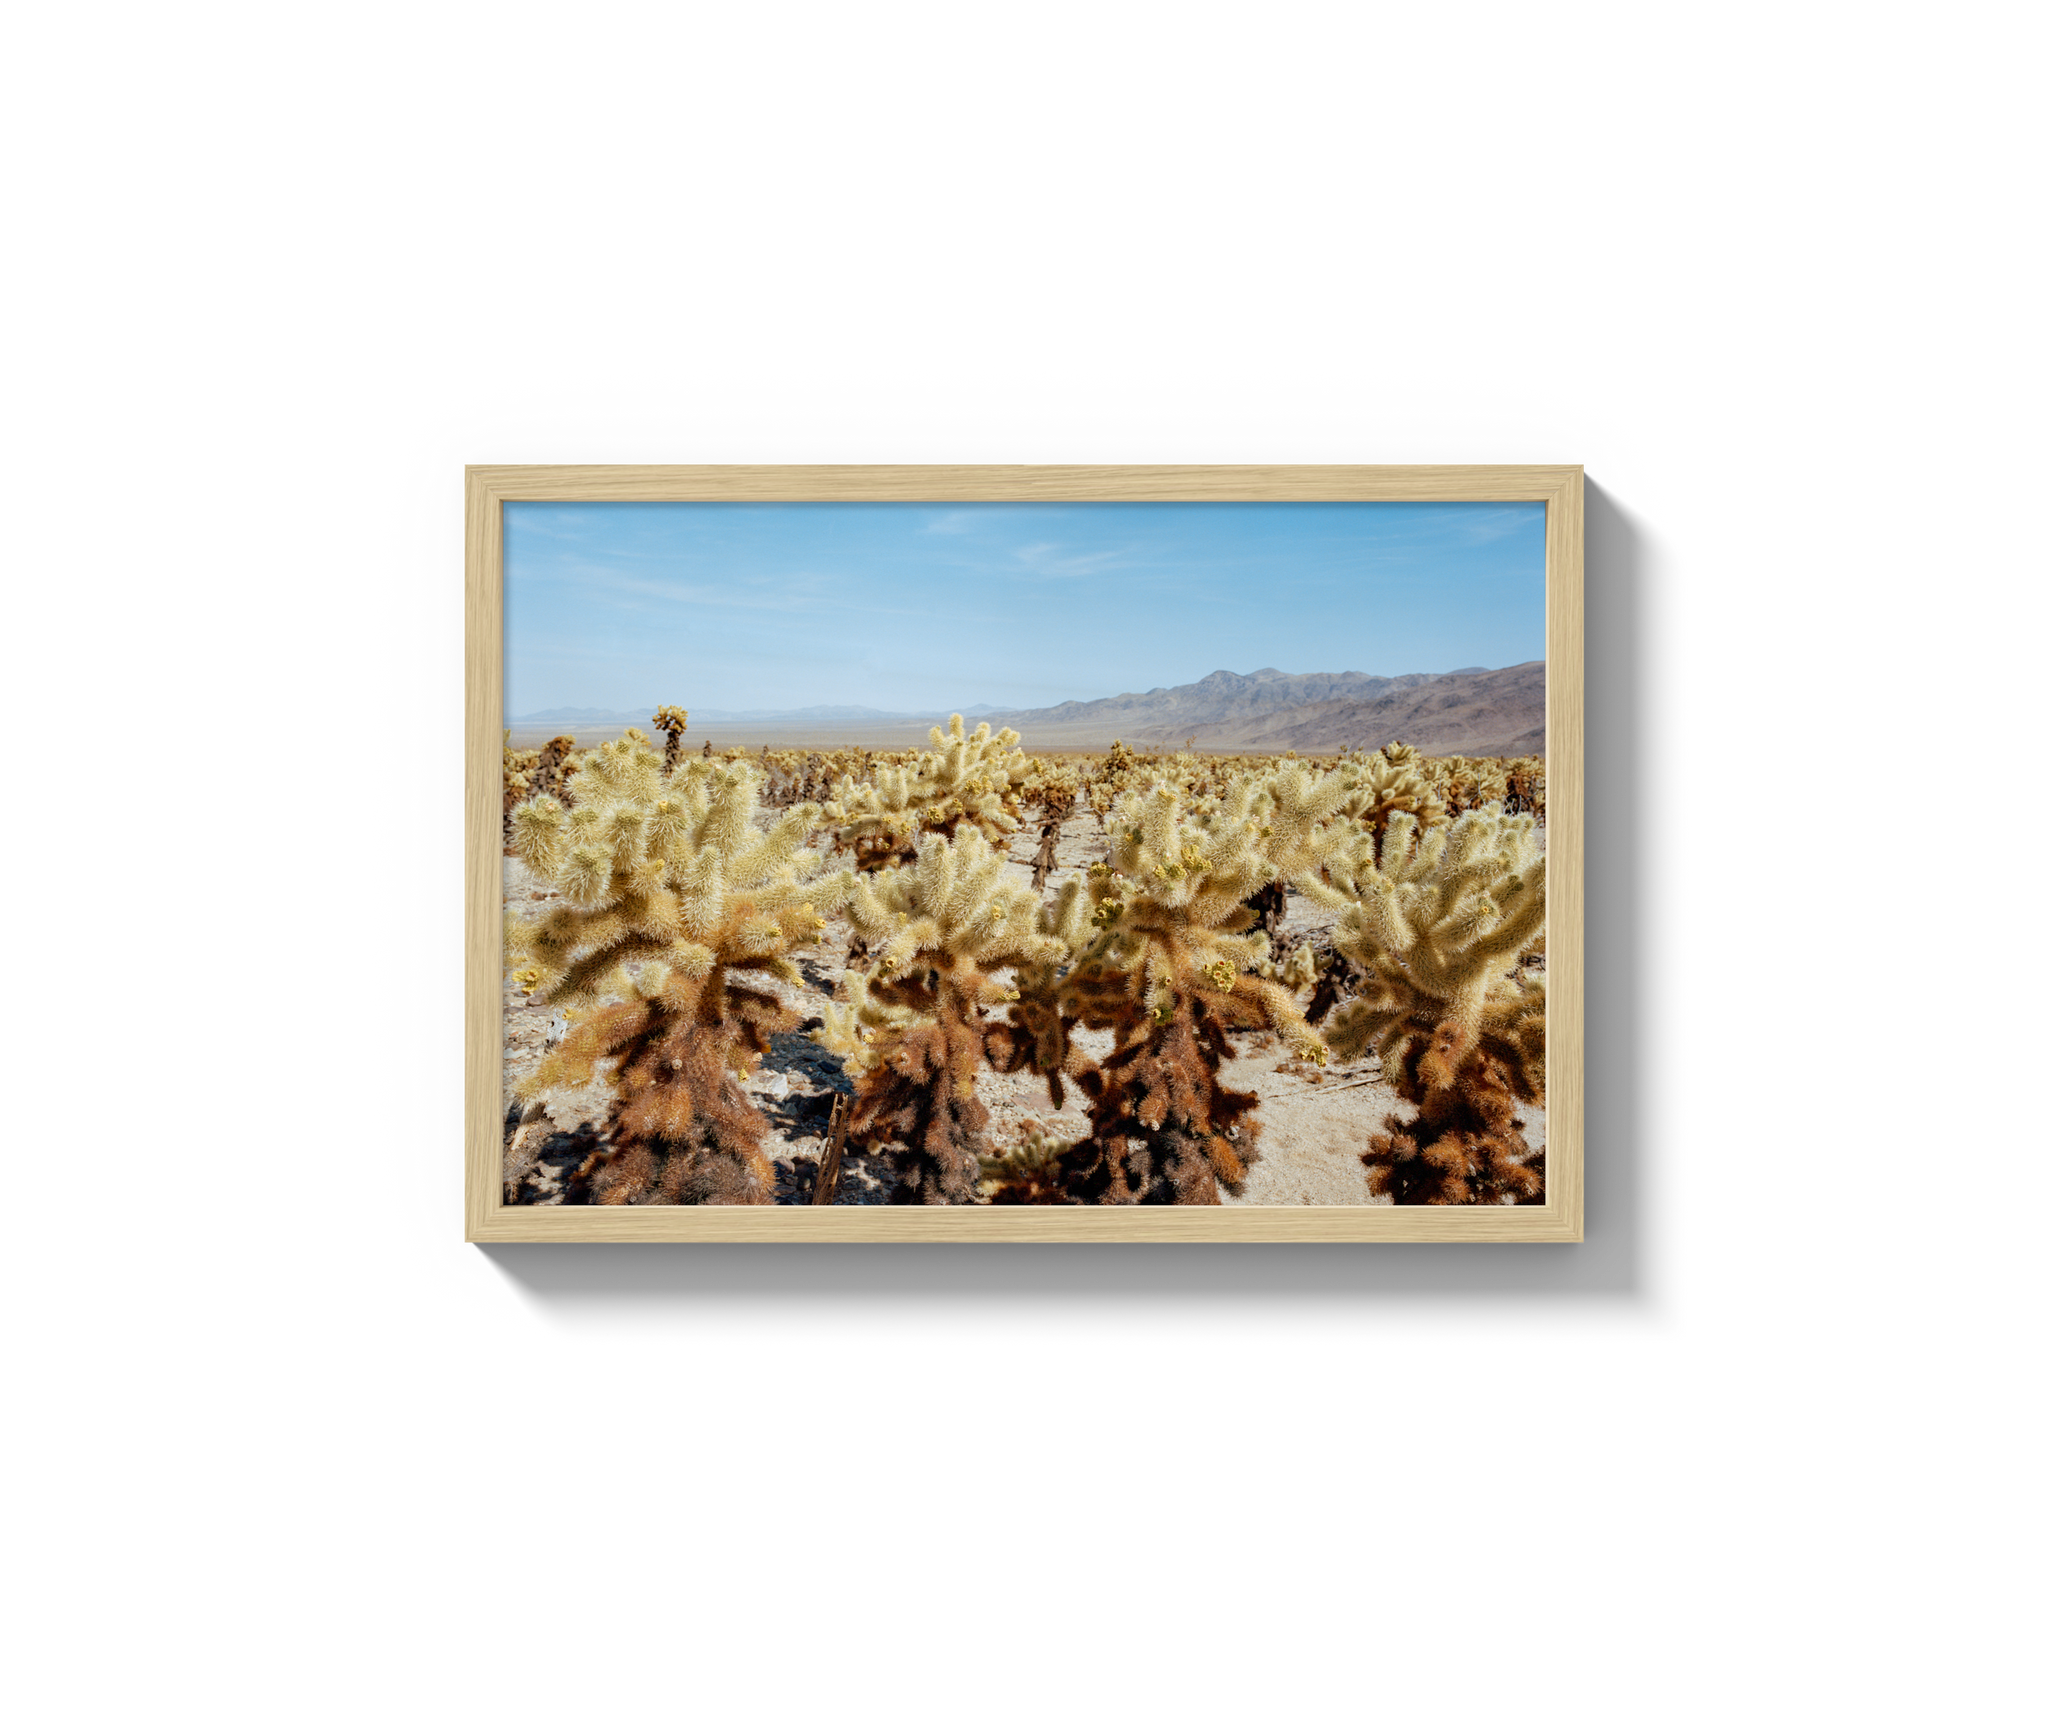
pixel 1026 1173
pixel 1299 812
pixel 841 1033
pixel 751 937
pixel 539 833
pixel 859 1026
pixel 591 1038
pixel 1298 970
pixel 648 903
pixel 806 908
pixel 1516 918
pixel 1379 1020
pixel 928 890
pixel 586 980
pixel 701 891
pixel 586 875
pixel 903 945
pixel 733 793
pixel 1223 909
pixel 669 826
pixel 782 843
pixel 1065 917
pixel 1235 997
pixel 1338 887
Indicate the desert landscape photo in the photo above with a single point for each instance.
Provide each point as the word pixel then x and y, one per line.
pixel 843 863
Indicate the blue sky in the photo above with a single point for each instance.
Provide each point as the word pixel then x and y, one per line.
pixel 620 605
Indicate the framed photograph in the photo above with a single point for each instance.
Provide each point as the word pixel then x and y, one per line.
pixel 1024 853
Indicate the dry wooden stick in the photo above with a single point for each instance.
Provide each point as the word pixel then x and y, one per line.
pixel 835 1149
pixel 1348 1086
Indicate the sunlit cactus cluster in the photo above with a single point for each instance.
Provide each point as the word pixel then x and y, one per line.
pixel 965 780
pixel 541 770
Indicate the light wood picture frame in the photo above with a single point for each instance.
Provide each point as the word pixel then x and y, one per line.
pixel 1559 488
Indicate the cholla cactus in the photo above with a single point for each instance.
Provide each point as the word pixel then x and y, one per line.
pixel 1027 1173
pixel 1466 784
pixel 1439 923
pixel 964 781
pixel 672 720
pixel 1052 789
pixel 558 762
pixel 518 763
pixel 1037 1034
pixel 913 1031
pixel 530 772
pixel 1392 782
pixel 1169 972
pixel 860 1027
pixel 670 895
pixel 519 766
pixel 1525 787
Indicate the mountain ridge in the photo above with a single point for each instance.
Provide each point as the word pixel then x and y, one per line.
pixel 813 712
pixel 1477 711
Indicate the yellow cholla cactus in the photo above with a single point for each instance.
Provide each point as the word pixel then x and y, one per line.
pixel 945 930
pixel 1440 922
pixel 670 897
pixel 965 780
pixel 1170 971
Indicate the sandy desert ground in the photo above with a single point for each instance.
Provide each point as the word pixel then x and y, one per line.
pixel 1315 1122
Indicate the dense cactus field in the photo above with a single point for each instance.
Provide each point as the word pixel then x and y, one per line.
pixel 970 974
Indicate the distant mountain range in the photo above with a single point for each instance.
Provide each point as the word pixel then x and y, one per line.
pixel 809 713
pixel 1477 711
pixel 1481 712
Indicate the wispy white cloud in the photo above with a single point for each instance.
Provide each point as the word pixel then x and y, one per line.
pixel 1490 524
pixel 1051 561
pixel 1463 522
pixel 951 524
pixel 793 593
